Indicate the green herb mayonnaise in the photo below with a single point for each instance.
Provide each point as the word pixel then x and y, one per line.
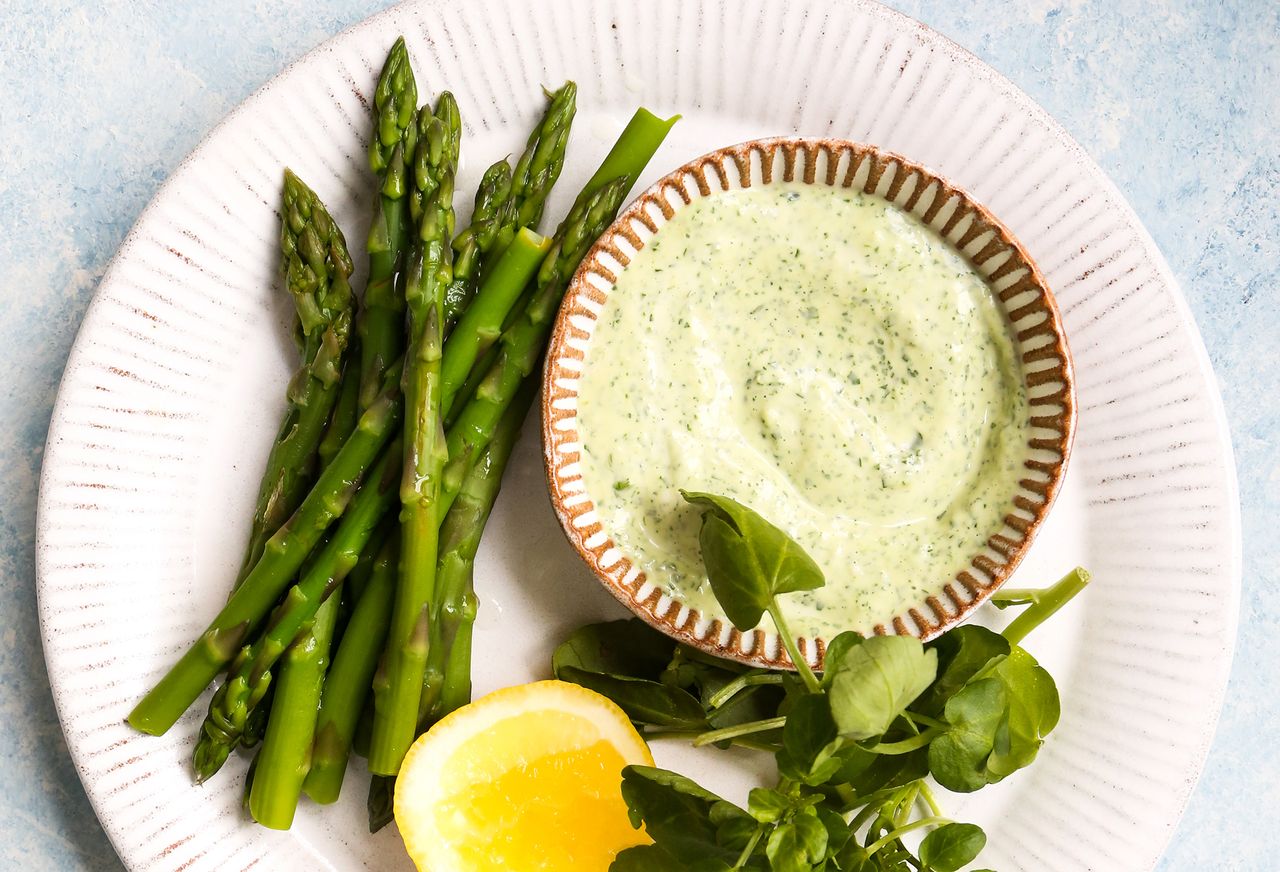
pixel 825 358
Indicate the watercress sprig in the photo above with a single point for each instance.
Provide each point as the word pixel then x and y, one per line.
pixel 852 746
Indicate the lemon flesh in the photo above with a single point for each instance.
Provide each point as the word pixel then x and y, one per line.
pixel 527 779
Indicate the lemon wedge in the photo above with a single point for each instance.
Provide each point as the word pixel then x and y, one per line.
pixel 525 779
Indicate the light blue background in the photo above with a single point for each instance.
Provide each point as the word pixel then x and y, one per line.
pixel 1179 101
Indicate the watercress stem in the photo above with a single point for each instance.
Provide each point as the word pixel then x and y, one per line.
pixel 733 688
pixel 749 848
pixel 860 820
pixel 802 665
pixel 899 832
pixel 712 736
pixel 906 746
pixel 740 741
pixel 919 720
pixel 1016 596
pixel 1046 603
pixel 907 804
pixel 927 795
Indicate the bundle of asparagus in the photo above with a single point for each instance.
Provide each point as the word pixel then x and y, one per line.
pixel 344 618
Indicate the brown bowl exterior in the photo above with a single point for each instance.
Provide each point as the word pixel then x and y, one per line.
pixel 989 247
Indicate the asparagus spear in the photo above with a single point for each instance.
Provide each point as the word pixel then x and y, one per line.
pixel 508 201
pixel 459 541
pixel 397 711
pixel 395 102
pixel 282 556
pixel 381 803
pixel 250 673
pixel 469 246
pixel 294 699
pixel 347 686
pixel 404 711
pixel 284 759
pixel 520 347
pixel 429 273
pixel 628 158
pixel 317 272
pixel 539 166
pixel 481 324
pixel 346 411
pixel 256 724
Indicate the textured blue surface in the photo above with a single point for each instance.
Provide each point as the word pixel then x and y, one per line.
pixel 1177 100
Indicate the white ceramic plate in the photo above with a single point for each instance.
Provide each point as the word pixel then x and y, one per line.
pixel 173 392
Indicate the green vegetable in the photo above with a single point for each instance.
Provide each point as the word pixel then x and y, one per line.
pixel 282 556
pixel 1032 714
pixel 460 535
pixel 543 157
pixel 647 702
pixel 676 813
pixel 395 106
pixel 286 749
pixel 317 273
pixel 493 195
pixel 381 802
pixel 346 412
pixel 1041 604
pixel 348 684
pixel 288 734
pixel 851 749
pixel 519 350
pixel 958 757
pixel 508 201
pixel 952 846
pixel 962 654
pixel 621 166
pixel 250 673
pixel 665 688
pixel 399 687
pixel 481 324
pixel 874 682
pixel 629 648
pixel 749 563
pixel 631 152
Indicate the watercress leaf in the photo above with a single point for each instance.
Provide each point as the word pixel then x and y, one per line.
pixel 748 560
pixel 655 858
pixel 723 812
pixel 875 681
pixel 963 653
pixel 810 735
pixel 837 829
pixel 952 846
pixel 853 762
pixel 629 648
pixel 1034 709
pixel 853 858
pixel 958 757
pixel 885 772
pixel 812 836
pixel 734 827
pixel 836 650
pixel 767 806
pixel 786 851
pixel 735 834
pixel 676 813
pixel 753 704
pixel 645 702
pixel 644 858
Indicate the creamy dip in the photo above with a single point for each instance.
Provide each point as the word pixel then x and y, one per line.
pixel 828 360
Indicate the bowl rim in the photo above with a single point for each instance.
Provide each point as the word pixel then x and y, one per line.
pixel 883 173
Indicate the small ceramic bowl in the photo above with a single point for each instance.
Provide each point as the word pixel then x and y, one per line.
pixel 970 228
